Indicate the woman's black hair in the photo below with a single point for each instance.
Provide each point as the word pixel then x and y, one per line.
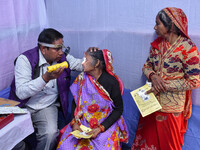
pixel 167 22
pixel 49 35
pixel 97 55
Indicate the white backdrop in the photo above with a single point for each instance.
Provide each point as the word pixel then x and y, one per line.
pixel 20 23
pixel 125 27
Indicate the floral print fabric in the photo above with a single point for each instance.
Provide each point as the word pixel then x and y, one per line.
pixel 93 109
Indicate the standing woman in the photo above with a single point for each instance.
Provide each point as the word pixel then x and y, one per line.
pixel 173 69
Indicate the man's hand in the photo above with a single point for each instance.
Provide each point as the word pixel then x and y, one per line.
pixel 52 75
pixel 93 49
pixel 94 132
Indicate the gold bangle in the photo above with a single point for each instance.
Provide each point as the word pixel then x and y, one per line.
pixel 72 122
pixel 102 128
pixel 150 75
pixel 78 122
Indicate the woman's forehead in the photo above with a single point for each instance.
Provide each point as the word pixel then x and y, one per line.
pixel 157 18
pixel 87 55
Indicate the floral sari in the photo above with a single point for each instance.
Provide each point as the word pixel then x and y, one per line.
pixel 93 106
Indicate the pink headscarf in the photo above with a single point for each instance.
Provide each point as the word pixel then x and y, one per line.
pixel 179 18
pixel 109 68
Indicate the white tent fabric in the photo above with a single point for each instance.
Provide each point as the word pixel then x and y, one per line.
pixel 21 22
pixel 125 27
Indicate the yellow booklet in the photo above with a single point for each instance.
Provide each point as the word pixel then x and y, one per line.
pixel 83 134
pixel 146 103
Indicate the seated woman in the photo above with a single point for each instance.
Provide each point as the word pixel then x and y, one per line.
pixel 97 104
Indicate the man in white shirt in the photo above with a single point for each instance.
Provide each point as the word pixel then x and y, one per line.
pixel 39 90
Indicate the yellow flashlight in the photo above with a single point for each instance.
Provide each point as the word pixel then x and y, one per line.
pixel 56 66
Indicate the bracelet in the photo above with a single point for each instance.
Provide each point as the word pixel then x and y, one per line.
pixel 72 122
pixel 78 122
pixel 150 75
pixel 102 128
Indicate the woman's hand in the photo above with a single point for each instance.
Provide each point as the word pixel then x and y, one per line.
pixel 76 127
pixel 158 84
pixel 94 132
pixel 152 90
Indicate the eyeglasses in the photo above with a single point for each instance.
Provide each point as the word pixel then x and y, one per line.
pixel 59 48
pixel 66 50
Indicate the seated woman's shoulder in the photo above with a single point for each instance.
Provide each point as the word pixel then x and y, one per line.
pixel 109 78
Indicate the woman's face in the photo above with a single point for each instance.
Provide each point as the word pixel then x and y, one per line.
pixel 87 63
pixel 160 29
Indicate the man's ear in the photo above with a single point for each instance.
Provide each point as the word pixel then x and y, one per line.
pixel 43 49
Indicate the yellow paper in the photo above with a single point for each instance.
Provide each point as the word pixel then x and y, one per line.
pixel 83 134
pixel 146 103
pixel 56 66
pixel 85 129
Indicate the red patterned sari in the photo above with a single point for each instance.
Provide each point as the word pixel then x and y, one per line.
pixel 178 64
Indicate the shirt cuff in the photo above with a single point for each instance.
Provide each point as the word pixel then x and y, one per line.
pixel 39 82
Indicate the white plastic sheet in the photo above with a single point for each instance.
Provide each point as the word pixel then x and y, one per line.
pixel 21 22
pixel 125 27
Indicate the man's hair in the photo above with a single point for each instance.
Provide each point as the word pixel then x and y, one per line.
pixel 97 55
pixel 49 35
pixel 167 22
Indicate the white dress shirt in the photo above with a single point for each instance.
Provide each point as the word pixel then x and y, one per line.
pixel 74 63
pixel 41 94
